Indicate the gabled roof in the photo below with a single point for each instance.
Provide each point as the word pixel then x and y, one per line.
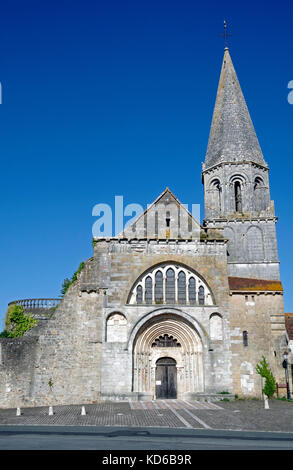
pixel 232 135
pixel 254 285
pixel 166 197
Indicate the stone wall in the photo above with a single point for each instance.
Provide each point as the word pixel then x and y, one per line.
pixel 70 351
pixel 86 351
pixel 66 352
pixel 250 226
pixel 251 247
pixel 127 261
pixel 17 367
pixel 255 197
pixel 262 317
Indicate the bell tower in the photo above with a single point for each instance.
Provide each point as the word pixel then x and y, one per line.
pixel 236 184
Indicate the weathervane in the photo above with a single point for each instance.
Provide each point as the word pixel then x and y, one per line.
pixel 225 35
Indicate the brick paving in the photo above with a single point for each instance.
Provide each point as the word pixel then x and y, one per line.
pixel 248 415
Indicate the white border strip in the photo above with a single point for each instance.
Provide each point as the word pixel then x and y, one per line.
pixel 178 415
pixel 203 406
pixel 193 416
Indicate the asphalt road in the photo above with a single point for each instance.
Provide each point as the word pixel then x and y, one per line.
pixel 129 438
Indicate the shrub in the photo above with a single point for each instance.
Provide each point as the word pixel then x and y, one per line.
pixel 17 322
pixel 262 368
pixel 65 286
pixel 67 282
pixel 50 383
pixel 4 334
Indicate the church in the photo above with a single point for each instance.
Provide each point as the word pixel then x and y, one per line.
pixel 170 307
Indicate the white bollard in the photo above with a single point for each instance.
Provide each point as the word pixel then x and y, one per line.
pixel 266 401
pixel 83 413
pixel 51 411
pixel 18 412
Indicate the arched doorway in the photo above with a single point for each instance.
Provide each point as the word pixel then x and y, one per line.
pixel 166 378
pixel 168 336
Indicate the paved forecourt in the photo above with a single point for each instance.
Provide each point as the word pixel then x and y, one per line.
pixel 249 415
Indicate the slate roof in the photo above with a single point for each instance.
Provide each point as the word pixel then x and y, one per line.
pixel 232 135
pixel 254 285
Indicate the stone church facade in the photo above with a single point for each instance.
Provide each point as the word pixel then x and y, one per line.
pixel 159 312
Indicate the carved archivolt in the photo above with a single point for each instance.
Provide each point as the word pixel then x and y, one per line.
pixel 186 349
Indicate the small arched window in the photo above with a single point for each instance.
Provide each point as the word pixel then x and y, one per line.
pixel 201 295
pixel 168 219
pixel 245 338
pixel 238 196
pixel 148 290
pixel 259 194
pixel 215 197
pixel 181 288
pixel 216 327
pixel 191 291
pixel 170 286
pixel 159 287
pixel 218 190
pixel 139 295
pixel 116 328
pixel 258 183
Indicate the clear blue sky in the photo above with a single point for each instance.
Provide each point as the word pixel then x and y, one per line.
pixel 105 98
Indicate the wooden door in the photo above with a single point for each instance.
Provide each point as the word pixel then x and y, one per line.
pixel 166 378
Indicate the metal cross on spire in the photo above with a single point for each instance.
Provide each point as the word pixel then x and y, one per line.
pixel 226 35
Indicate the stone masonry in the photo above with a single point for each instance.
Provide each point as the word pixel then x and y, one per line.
pixel 206 299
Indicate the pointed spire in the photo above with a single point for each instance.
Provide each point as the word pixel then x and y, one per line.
pixel 232 135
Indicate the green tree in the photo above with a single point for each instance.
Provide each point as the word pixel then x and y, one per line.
pixel 262 368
